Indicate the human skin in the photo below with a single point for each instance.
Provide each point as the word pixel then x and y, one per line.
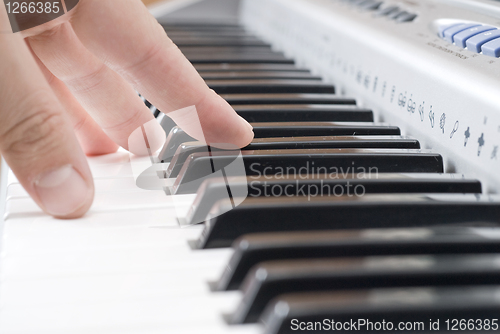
pixel 68 89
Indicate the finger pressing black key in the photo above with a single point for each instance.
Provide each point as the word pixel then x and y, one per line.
pixel 304 113
pixel 248 67
pixel 269 86
pixel 249 75
pixel 214 49
pixel 234 58
pixel 207 34
pixel 204 26
pixel 253 99
pixel 221 42
pixel 188 39
pixel 274 130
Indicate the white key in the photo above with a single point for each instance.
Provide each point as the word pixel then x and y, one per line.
pixel 93 231
pixel 125 267
pixel 171 315
pixel 122 184
pixel 105 202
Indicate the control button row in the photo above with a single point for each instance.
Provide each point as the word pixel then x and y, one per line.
pixel 391 12
pixel 473 36
pixel 396 13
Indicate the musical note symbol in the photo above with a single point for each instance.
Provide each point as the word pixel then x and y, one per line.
pixel 421 111
pixel 442 121
pixel 494 152
pixel 481 144
pixel 455 129
pixel 431 117
pixel 467 136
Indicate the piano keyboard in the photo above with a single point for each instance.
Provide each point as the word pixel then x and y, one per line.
pixel 415 246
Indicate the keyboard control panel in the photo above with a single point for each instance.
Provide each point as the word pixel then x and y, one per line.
pixel 438 75
pixel 392 12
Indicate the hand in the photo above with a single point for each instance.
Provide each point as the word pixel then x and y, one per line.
pixel 68 87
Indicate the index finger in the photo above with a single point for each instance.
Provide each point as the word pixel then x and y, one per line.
pixel 124 35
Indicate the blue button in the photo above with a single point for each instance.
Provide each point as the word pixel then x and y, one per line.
pixel 443 27
pixel 450 32
pixel 474 43
pixel 463 36
pixel 492 48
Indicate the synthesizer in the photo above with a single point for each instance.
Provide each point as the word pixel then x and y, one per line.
pixel 397 60
pixel 366 202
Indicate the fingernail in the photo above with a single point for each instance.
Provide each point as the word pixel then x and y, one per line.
pixel 248 125
pixel 62 191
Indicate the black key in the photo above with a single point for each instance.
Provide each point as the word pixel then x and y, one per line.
pixel 252 249
pixel 380 142
pixel 200 166
pixel 268 75
pixel 240 59
pixel 271 279
pixel 166 123
pixel 207 34
pixel 197 26
pixel 294 113
pixel 232 52
pixel 213 190
pixel 270 86
pixel 177 136
pixel 303 113
pixel 313 213
pixel 156 112
pixel 384 310
pixel 262 49
pixel 146 102
pixel 220 42
pixel 248 67
pixel 209 30
pixel 254 99
pixel 215 38
pixel 305 129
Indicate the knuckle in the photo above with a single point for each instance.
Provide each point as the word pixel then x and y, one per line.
pixel 88 81
pixel 150 52
pixel 36 134
pixel 132 121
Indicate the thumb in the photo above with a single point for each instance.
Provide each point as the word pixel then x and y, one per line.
pixel 36 139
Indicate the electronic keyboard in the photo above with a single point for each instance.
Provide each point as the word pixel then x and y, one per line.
pixel 366 202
